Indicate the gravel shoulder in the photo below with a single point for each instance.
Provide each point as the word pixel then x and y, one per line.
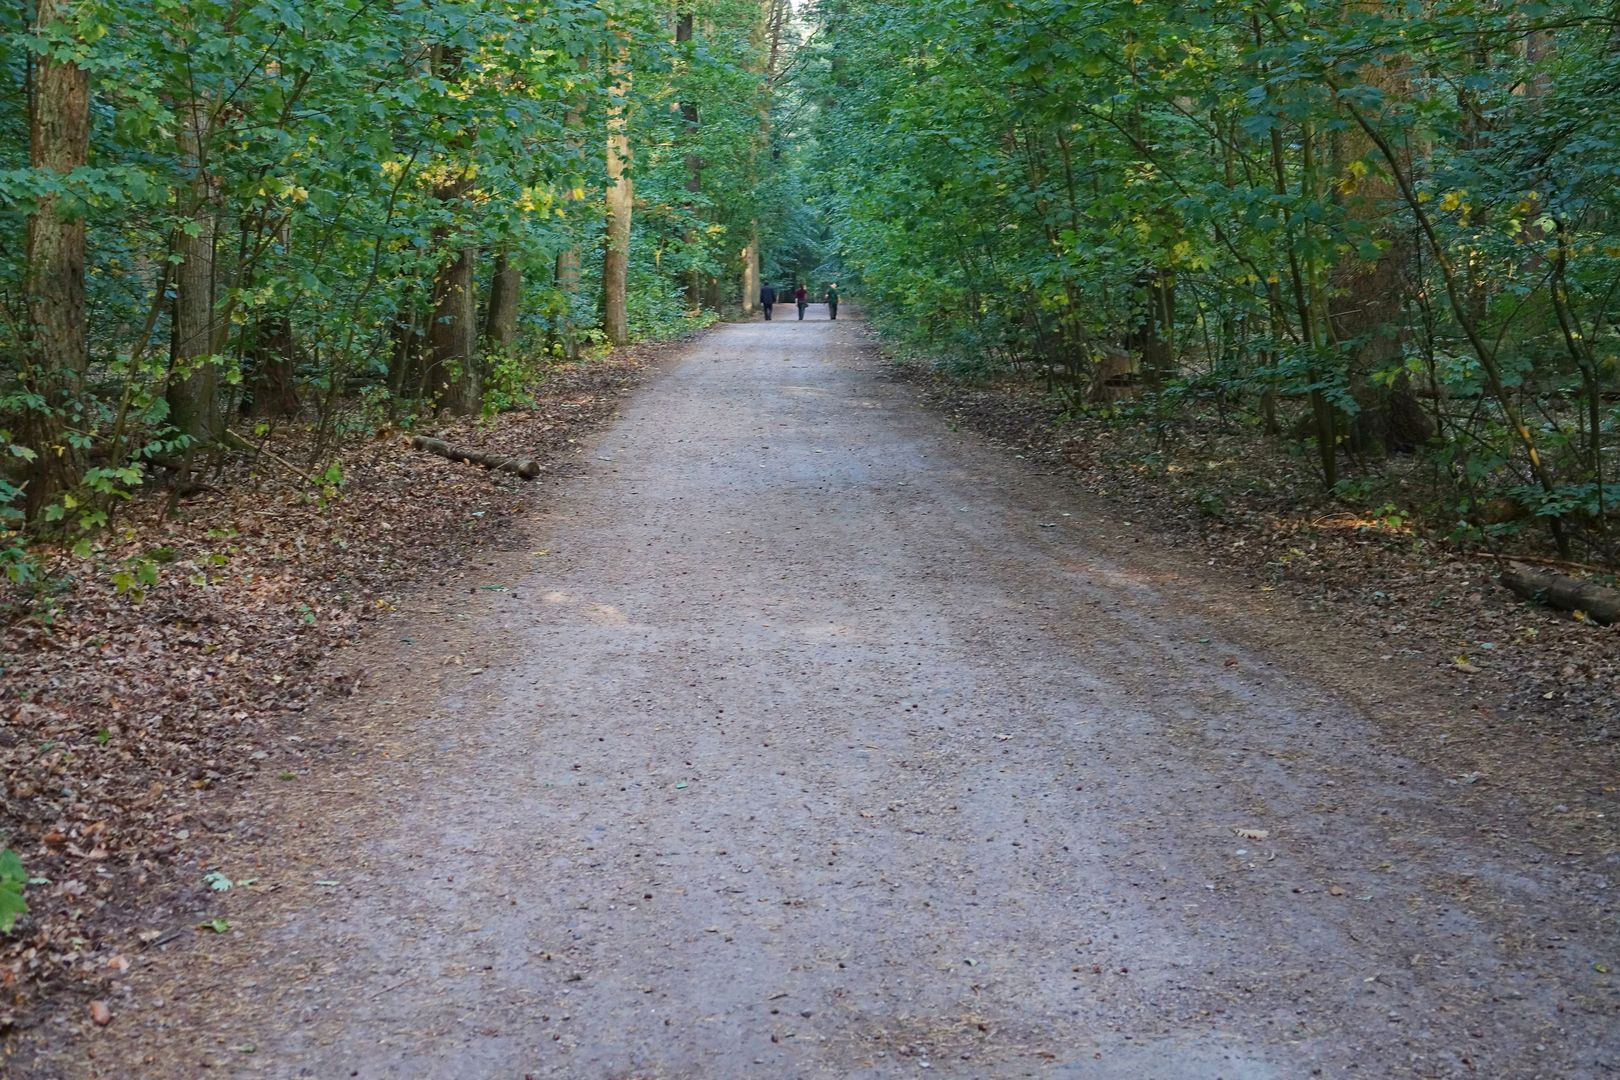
pixel 800 735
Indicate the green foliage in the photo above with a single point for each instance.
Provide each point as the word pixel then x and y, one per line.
pixel 343 156
pixel 1331 211
pixel 13 879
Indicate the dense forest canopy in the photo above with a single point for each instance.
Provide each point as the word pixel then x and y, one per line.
pixel 223 216
pixel 1365 229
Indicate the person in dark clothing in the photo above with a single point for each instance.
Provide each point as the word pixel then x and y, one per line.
pixel 801 296
pixel 767 300
pixel 832 301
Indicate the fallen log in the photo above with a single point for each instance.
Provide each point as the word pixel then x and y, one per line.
pixel 527 468
pixel 1597 602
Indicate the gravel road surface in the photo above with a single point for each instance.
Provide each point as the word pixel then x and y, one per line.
pixel 802 736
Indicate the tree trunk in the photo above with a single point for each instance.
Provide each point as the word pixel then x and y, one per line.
pixel 620 205
pixel 193 389
pixel 406 375
pixel 1155 328
pixel 274 391
pixel 568 264
pixel 1597 602
pixel 454 378
pixel 273 357
pixel 527 468
pixel 453 336
pixel 58 350
pixel 750 274
pixel 1367 300
pixel 505 297
pixel 684 29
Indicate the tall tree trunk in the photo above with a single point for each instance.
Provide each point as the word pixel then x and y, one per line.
pixel 690 121
pixel 1365 308
pixel 620 203
pixel 568 263
pixel 193 388
pixel 768 38
pixel 453 330
pixel 453 335
pixel 750 273
pixel 58 350
pixel 505 298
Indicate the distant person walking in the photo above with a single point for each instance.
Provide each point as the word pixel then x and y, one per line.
pixel 801 296
pixel 832 301
pixel 767 300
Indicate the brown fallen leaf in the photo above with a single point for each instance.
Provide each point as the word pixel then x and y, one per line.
pixel 1252 834
pixel 1336 890
pixel 100 1015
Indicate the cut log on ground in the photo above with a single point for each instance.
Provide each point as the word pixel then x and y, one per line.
pixel 1597 602
pixel 528 468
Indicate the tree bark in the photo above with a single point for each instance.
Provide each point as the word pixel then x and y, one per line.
pixel 274 392
pixel 527 468
pixel 193 388
pixel 1368 298
pixel 691 121
pixel 273 357
pixel 620 204
pixel 750 274
pixel 505 299
pixel 568 263
pixel 1600 604
pixel 453 335
pixel 57 348
pixel 455 378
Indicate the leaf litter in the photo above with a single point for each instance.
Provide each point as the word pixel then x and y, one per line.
pixel 124 725
pixel 1542 717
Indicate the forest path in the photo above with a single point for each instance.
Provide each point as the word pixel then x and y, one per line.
pixel 810 738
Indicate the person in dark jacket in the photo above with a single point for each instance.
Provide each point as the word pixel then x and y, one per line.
pixel 801 296
pixel 767 300
pixel 832 301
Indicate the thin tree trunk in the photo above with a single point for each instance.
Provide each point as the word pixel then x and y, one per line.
pixel 750 274
pixel 58 351
pixel 568 262
pixel 505 297
pixel 768 37
pixel 274 390
pixel 453 328
pixel 193 389
pixel 684 29
pixel 620 204
pixel 1367 300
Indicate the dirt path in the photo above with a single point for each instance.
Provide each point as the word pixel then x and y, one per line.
pixel 823 741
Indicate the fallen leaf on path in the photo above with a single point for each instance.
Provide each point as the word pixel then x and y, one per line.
pixel 1252 834
pixel 100 1015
